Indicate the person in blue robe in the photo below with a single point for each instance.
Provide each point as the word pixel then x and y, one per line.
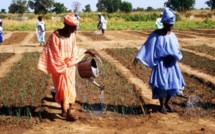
pixel 161 53
pixel 40 31
pixel 1 32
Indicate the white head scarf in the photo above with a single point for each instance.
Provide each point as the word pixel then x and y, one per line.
pixel 168 16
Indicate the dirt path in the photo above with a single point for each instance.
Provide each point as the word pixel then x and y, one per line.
pixel 155 123
pixel 7 35
pixel 27 39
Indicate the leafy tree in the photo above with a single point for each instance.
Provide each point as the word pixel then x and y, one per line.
pixel 150 9
pixel 76 6
pixel 126 7
pixel 211 4
pixel 109 6
pixel 41 6
pixel 3 11
pixel 138 9
pixel 18 6
pixel 180 5
pixel 59 8
pixel 87 8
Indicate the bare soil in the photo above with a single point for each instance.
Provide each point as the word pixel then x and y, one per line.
pixel 203 31
pixel 34 39
pixel 15 38
pixel 153 122
pixel 198 33
pixel 94 36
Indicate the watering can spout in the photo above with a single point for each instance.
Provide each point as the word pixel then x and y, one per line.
pixel 101 87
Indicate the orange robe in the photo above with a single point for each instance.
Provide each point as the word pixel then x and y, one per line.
pixel 59 58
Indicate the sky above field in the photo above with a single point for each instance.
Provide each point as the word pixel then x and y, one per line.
pixel 4 4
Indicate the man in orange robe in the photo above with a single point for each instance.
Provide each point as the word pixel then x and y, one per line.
pixel 59 58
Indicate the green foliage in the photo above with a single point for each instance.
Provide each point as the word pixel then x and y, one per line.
pixel 180 5
pixel 18 6
pixel 138 9
pixel 3 11
pixel 126 7
pixel 87 8
pixel 115 21
pixel 149 9
pixel 59 8
pixel 140 17
pixel 194 24
pixel 109 6
pixel 41 6
pixel 211 4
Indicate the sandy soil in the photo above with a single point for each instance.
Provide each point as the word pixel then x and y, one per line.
pixel 155 123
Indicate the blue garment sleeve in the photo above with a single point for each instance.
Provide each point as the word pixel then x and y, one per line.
pixel 146 53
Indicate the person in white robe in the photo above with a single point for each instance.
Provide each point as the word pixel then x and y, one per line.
pixel 102 25
pixel 40 31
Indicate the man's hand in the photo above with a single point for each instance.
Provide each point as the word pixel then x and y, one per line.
pixel 91 53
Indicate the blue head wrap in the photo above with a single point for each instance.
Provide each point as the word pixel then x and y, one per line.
pixel 168 16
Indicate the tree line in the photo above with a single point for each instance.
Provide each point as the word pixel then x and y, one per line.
pixel 110 6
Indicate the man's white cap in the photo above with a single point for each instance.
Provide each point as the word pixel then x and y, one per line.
pixel 99 13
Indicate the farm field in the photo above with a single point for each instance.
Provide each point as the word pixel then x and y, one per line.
pixel 27 106
pixel 194 85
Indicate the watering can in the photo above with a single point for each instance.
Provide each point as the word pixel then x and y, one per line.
pixel 88 69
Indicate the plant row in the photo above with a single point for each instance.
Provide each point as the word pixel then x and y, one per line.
pixel 198 62
pixel 202 49
pixel 5 56
pixel 23 88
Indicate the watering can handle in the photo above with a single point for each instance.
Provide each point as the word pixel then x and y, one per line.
pixel 99 59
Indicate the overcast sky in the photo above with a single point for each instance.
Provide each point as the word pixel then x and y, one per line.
pixel 4 4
